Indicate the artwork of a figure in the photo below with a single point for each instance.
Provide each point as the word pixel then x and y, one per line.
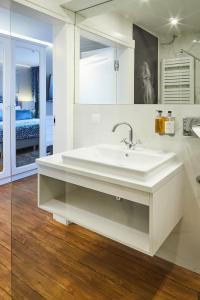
pixel 146 67
pixel 149 94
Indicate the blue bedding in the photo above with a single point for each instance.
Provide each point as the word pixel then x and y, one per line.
pixel 25 129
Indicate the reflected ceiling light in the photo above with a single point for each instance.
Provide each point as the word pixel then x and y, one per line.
pixel 196 41
pixel 23 66
pixel 118 35
pixel 27 38
pixel 24 37
pixel 173 21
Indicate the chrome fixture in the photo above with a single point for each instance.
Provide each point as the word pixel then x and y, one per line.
pixel 171 42
pixel 188 124
pixel 182 51
pixel 198 179
pixel 128 143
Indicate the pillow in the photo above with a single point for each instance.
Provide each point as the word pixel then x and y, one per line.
pixel 1 115
pixel 23 114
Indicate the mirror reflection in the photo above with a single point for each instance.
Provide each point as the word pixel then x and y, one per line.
pixel 97 74
pixel 166 67
pixel 180 70
pixel 103 66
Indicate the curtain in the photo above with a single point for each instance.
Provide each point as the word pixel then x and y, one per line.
pixel 35 89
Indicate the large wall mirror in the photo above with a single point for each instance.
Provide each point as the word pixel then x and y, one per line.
pixel 166 66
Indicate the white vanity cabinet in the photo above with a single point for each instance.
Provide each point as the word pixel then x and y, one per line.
pixel 139 215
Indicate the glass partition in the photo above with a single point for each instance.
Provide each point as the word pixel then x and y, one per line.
pixel 5 166
pixel 27 105
pixel 2 104
pixel 31 137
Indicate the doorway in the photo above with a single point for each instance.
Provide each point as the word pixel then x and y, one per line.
pixel 26 97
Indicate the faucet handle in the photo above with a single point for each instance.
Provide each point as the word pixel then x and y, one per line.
pixel 139 142
pixel 124 141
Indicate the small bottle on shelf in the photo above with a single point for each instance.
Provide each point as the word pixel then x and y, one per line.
pixel 170 124
pixel 160 123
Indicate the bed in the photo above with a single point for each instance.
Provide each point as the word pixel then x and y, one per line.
pixel 27 132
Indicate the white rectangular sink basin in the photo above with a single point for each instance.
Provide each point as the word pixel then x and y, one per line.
pixel 118 160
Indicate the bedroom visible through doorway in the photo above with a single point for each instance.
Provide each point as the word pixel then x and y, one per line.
pixel 26 93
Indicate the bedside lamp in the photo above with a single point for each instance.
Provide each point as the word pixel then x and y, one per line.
pixel 26 102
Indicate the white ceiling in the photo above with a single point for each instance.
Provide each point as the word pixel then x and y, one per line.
pixel 78 5
pixel 89 45
pixel 153 15
pixel 27 57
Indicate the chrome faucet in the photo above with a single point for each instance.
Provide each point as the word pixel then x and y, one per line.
pixel 129 143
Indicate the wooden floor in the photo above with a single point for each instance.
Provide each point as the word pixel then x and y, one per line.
pixel 52 261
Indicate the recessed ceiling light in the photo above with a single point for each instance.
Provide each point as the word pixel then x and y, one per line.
pixel 173 21
pixel 196 41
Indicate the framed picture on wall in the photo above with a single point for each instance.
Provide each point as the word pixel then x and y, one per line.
pixel 146 67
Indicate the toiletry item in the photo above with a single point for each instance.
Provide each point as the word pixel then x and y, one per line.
pixel 170 124
pixel 157 121
pixel 160 123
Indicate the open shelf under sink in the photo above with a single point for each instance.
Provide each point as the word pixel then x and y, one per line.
pixel 124 221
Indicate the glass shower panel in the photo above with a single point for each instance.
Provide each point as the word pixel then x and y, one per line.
pixel 2 102
pixel 32 102
pixel 27 105
pixel 5 167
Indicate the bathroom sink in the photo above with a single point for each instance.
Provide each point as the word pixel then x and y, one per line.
pixel 118 160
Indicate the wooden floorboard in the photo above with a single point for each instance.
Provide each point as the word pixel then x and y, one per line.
pixel 52 261
pixel 5 242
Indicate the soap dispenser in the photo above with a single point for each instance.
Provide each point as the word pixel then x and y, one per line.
pixel 160 123
pixel 170 124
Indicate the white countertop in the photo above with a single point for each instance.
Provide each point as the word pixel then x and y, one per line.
pixel 150 185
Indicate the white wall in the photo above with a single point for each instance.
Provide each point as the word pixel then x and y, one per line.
pixel 63 93
pixel 112 25
pixel 98 65
pixel 13 22
pixel 31 27
pixel 49 8
pixel 24 83
pixel 183 245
